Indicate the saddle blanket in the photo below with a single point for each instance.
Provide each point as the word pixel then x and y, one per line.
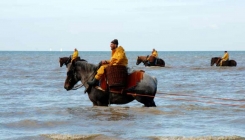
pixel 133 79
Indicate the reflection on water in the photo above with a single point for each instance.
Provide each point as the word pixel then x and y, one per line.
pixel 102 113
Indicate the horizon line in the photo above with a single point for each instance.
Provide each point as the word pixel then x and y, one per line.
pixel 110 50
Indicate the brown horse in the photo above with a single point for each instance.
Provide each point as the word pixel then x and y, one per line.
pixel 64 60
pixel 153 61
pixel 67 60
pixel 216 60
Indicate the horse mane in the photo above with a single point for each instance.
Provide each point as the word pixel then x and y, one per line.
pixel 216 57
pixel 86 66
pixel 82 60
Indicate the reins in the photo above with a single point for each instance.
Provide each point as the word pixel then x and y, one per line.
pixel 85 81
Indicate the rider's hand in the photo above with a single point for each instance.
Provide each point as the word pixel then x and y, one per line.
pixel 104 62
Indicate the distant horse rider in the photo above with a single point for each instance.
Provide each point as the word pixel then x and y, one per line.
pixel 224 58
pixel 74 56
pixel 118 57
pixel 154 54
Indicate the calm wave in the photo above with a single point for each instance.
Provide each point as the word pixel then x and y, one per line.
pixel 194 100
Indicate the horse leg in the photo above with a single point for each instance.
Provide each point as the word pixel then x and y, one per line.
pixel 95 104
pixel 147 63
pixel 101 103
pixel 150 104
pixel 98 103
pixel 147 101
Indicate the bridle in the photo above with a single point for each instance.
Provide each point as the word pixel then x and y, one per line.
pixel 75 76
pixel 141 60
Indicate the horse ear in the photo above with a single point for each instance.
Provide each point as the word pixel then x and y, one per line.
pixel 138 57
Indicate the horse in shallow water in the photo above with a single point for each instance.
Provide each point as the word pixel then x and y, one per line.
pixel 155 62
pixel 67 60
pixel 84 71
pixel 216 60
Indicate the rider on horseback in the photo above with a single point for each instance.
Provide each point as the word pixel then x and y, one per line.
pixel 75 55
pixel 118 57
pixel 224 58
pixel 154 54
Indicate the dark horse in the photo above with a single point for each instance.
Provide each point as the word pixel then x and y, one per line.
pixel 159 62
pixel 216 60
pixel 84 71
pixel 67 60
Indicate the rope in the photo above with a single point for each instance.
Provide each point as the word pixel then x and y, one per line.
pixel 226 99
pixel 209 102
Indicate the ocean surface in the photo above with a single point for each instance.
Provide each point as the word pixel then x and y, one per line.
pixel 194 100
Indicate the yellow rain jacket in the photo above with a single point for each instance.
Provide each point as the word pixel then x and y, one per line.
pixel 154 53
pixel 118 57
pixel 74 55
pixel 225 57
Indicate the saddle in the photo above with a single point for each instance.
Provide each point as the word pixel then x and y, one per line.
pixel 76 59
pixel 117 80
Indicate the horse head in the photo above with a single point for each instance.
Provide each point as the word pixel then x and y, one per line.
pixel 72 76
pixel 61 62
pixel 212 61
pixel 142 59
pixel 138 61
pixel 79 71
pixel 64 60
pixel 215 60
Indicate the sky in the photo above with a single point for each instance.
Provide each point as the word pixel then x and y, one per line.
pixel 139 25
